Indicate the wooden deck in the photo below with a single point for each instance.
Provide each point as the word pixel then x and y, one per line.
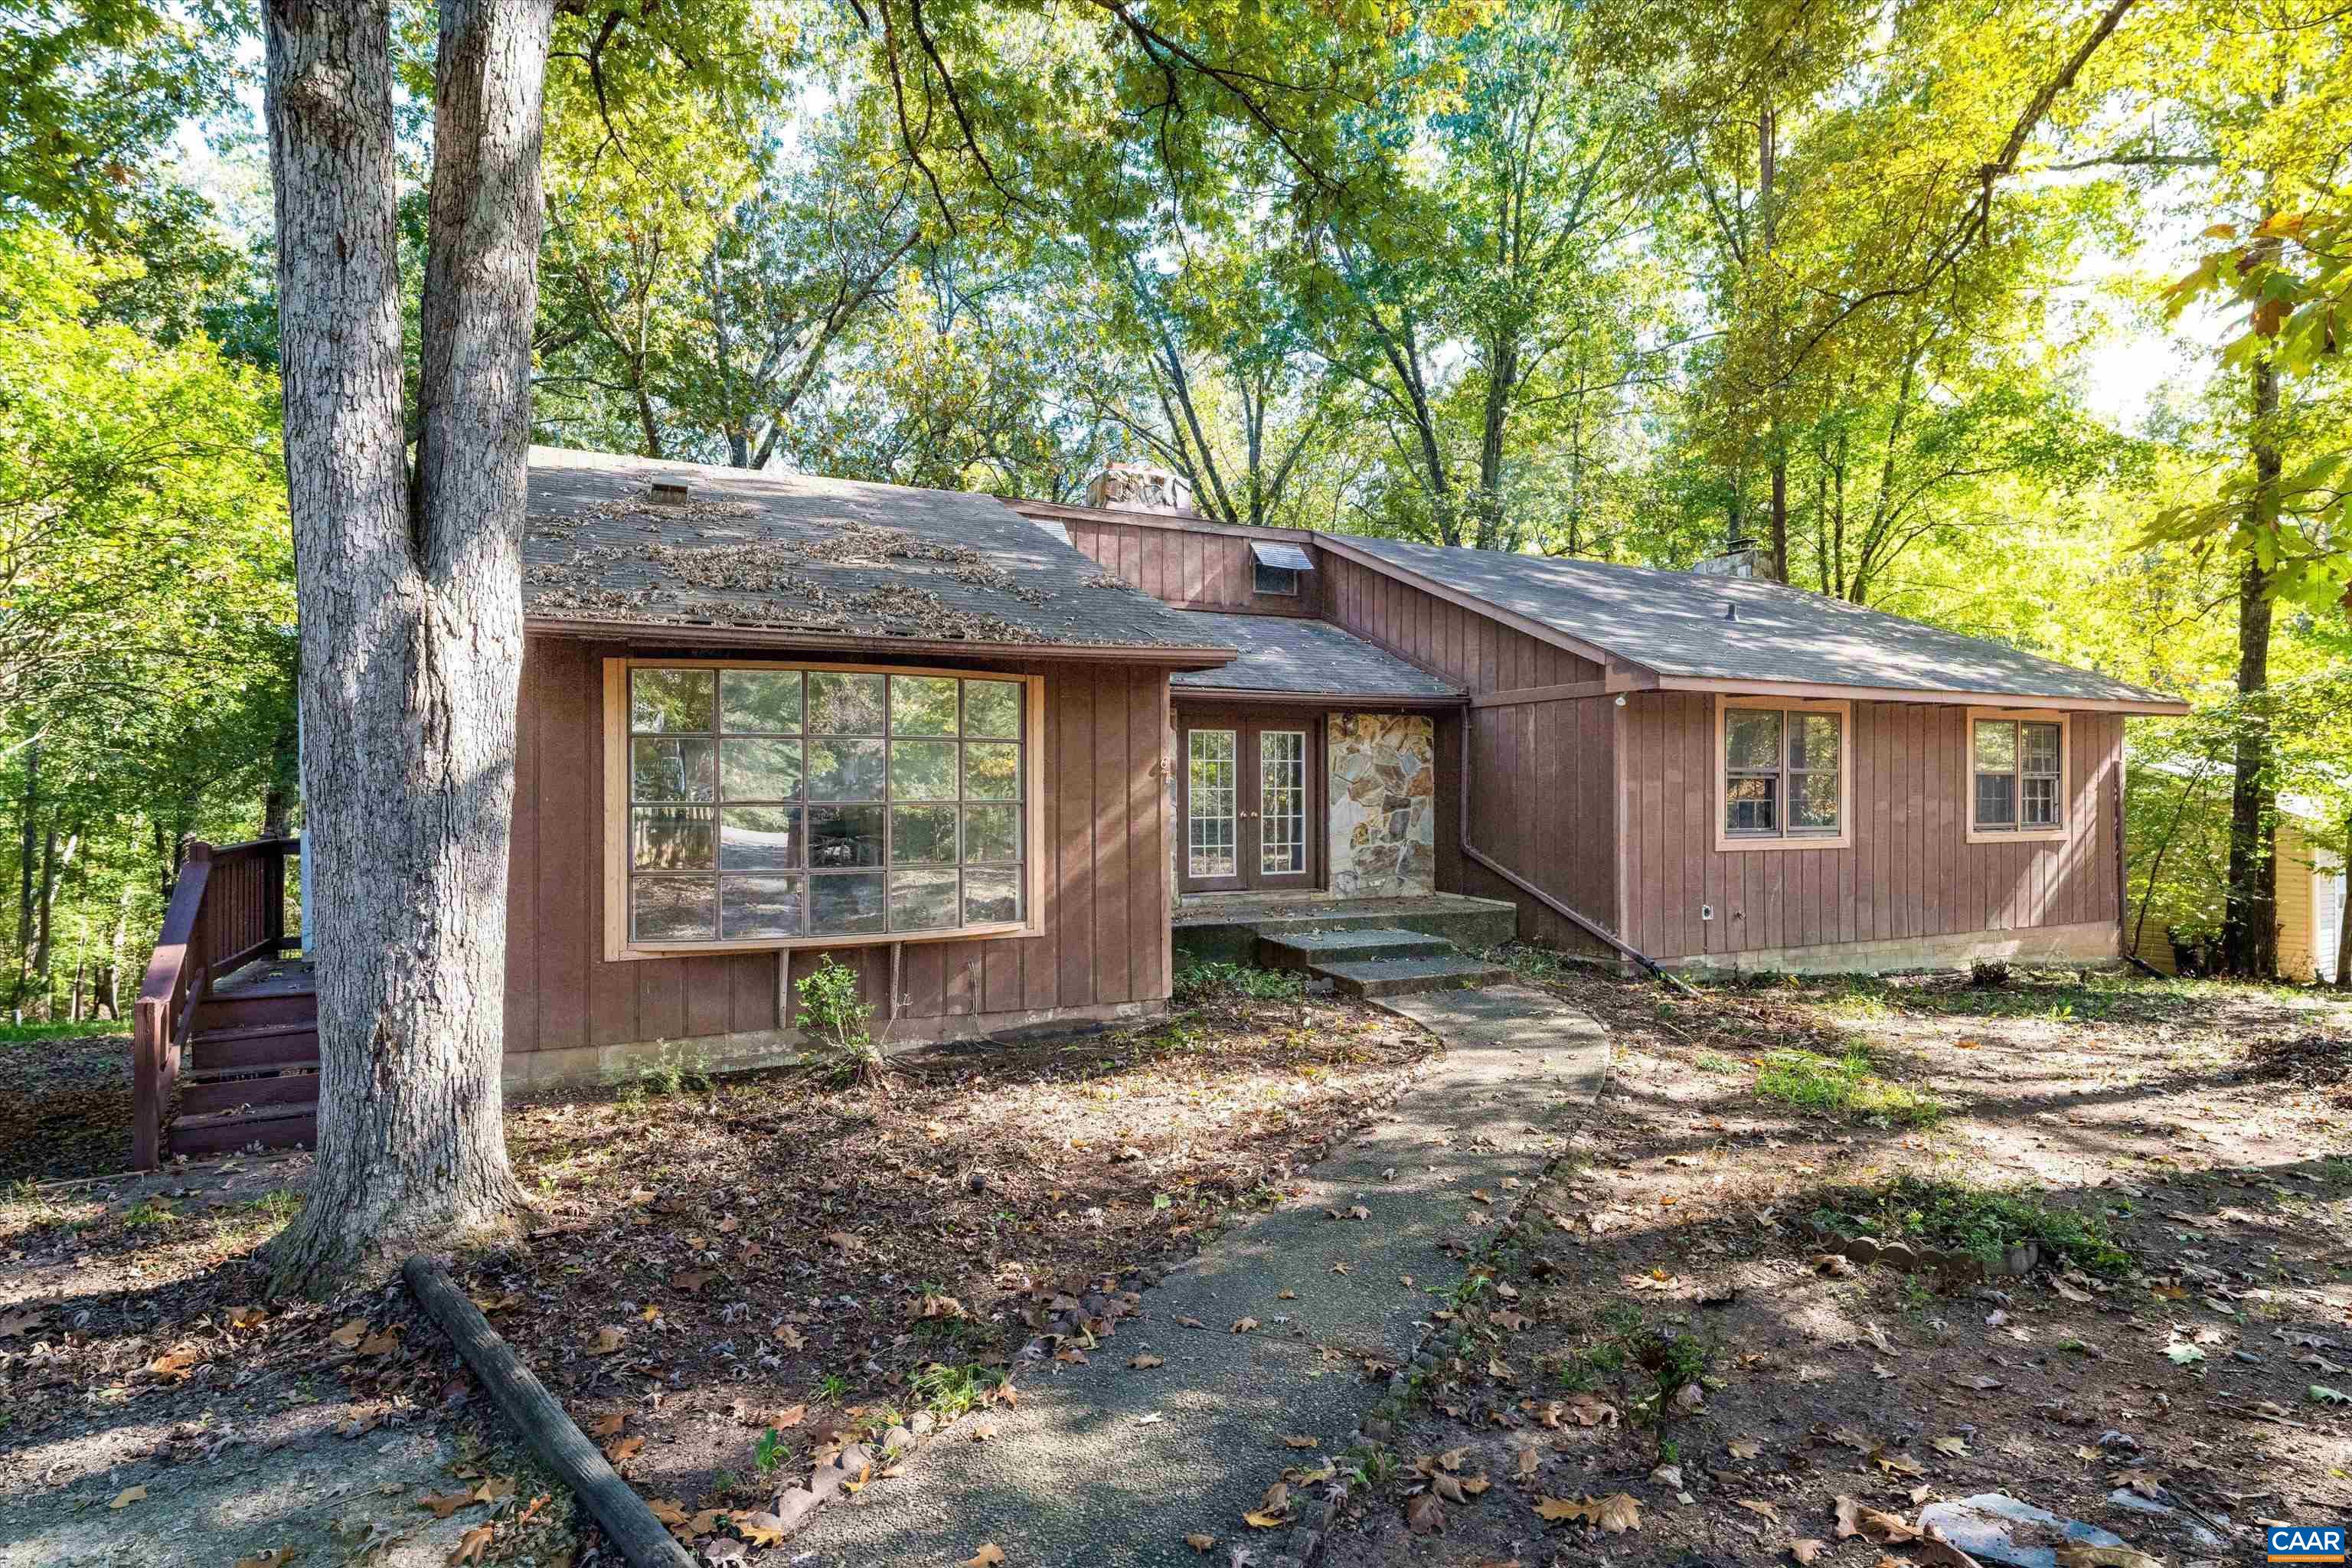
pixel 268 977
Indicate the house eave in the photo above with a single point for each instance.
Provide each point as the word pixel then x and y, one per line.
pixel 1241 694
pixel 705 634
pixel 2172 706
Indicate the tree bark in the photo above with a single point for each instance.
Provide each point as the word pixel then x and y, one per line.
pixel 2344 913
pixel 2250 906
pixel 410 598
pixel 1768 133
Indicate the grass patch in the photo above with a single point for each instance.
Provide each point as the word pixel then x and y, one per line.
pixel 1847 1086
pixel 1984 1222
pixel 1196 983
pixel 33 1033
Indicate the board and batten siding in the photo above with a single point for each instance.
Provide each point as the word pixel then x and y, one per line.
pixel 1542 773
pixel 1910 873
pixel 1190 570
pixel 1103 947
pixel 1438 635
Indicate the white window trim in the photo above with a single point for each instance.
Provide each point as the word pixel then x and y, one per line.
pixel 2065 828
pixel 618 945
pixel 1725 839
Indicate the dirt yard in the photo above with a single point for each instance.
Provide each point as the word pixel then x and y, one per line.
pixel 2174 1369
pixel 724 1282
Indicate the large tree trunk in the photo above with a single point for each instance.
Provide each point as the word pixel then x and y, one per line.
pixel 1768 131
pixel 411 603
pixel 2344 914
pixel 2250 900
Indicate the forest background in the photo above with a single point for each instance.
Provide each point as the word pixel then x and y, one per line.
pixel 2021 321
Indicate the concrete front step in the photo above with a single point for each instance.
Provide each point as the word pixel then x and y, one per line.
pixel 1229 929
pixel 1308 949
pixel 1404 976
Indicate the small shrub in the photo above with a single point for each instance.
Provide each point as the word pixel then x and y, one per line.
pixel 1197 981
pixel 1983 1222
pixel 832 1013
pixel 1988 974
pixel 1846 1086
pixel 952 1391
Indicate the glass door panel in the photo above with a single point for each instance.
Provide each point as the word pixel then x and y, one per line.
pixel 1212 807
pixel 1282 803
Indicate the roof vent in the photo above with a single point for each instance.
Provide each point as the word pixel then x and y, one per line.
pixel 670 492
pixel 1731 612
pixel 1139 487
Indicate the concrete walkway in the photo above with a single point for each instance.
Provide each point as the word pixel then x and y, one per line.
pixel 1102 1464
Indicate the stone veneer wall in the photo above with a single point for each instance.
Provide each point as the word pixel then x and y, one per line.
pixel 1383 770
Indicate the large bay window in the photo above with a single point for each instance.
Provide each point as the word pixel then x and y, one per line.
pixel 1782 773
pixel 2017 767
pixel 773 805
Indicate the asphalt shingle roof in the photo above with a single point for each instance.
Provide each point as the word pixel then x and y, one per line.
pixel 1290 654
pixel 793 552
pixel 1673 623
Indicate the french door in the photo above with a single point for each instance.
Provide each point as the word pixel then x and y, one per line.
pixel 1252 804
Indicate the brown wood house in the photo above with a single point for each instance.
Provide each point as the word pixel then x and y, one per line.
pixel 1002 756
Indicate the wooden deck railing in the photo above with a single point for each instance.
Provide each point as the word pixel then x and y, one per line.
pixel 227 908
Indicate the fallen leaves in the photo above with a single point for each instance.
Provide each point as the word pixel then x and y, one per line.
pixel 1244 1325
pixel 1423 1514
pixel 990 1556
pixel 1806 1548
pixel 1881 1528
pixel 1744 1447
pixel 620 1451
pixel 128 1495
pixel 1300 1440
pixel 2105 1557
pixel 1146 1362
pixel 1199 1541
pixel 13 1325
pixel 444 1504
pixel 472 1545
pixel 1615 1513
pixel 761 1527
pixel 608 1340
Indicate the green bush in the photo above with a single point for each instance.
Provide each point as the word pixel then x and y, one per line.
pixel 833 1015
pixel 1197 981
pixel 1983 1222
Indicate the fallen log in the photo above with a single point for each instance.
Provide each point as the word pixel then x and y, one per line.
pixel 552 1434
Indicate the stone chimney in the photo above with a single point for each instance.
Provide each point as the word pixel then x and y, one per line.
pixel 1139 487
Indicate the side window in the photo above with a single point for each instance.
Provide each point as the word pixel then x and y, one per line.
pixel 2018 767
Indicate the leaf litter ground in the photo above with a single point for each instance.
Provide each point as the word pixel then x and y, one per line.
pixel 2207 1128
pixel 724 1283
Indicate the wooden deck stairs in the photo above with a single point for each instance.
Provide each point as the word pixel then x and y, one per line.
pixel 252 1071
pixel 224 1043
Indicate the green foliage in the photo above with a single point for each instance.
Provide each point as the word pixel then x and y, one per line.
pixel 1843 1086
pixel 1196 983
pixel 832 1013
pixel 1984 1222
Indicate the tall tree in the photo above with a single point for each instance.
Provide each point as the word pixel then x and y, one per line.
pixel 410 582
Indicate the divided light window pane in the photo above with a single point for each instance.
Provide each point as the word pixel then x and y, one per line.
pixel 767 804
pixel 1781 773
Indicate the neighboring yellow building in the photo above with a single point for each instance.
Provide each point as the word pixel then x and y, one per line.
pixel 2311 899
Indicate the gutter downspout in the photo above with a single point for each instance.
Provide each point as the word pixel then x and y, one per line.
pixel 1592 928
